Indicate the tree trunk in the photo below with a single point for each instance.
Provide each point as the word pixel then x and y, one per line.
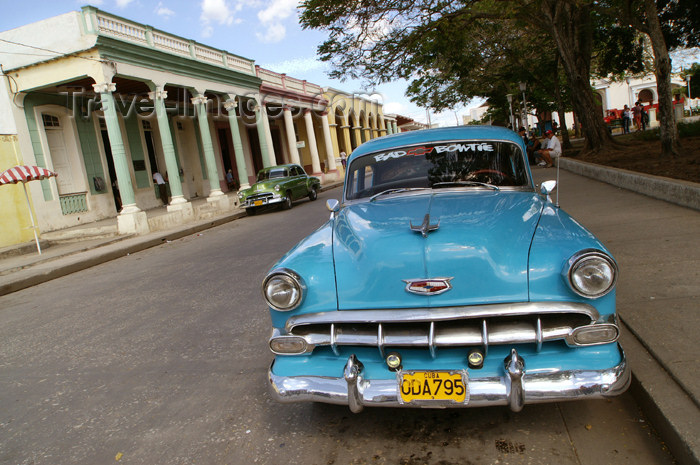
pixel 560 107
pixel 670 140
pixel 570 24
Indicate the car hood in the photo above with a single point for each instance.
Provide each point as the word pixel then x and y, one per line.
pixel 482 243
pixel 264 186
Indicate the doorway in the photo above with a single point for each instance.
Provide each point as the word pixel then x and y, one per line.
pixel 110 167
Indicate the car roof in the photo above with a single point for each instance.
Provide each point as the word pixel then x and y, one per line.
pixel 288 165
pixel 436 135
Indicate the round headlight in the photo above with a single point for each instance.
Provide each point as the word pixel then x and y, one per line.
pixel 592 274
pixel 283 290
pixel 277 187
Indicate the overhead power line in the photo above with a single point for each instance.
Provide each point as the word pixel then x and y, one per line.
pixel 46 50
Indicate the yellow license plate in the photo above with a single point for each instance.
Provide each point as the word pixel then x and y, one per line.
pixel 257 203
pixel 433 386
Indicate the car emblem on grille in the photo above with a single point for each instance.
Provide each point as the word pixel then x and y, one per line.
pixel 425 227
pixel 429 286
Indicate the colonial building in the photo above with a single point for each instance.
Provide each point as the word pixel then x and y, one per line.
pixel 107 102
pixel 614 95
pixel 355 119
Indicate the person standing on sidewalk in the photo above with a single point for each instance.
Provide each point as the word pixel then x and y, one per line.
pixel 626 119
pixel 637 110
pixel 162 188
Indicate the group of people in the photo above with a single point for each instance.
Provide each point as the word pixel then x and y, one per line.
pixel 636 114
pixel 541 153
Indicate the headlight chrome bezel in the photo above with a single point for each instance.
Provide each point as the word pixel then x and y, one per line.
pixel 290 277
pixel 590 257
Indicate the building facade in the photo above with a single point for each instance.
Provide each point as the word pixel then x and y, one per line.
pixel 112 102
pixel 614 95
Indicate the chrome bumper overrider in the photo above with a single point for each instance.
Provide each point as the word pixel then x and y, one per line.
pixel 515 388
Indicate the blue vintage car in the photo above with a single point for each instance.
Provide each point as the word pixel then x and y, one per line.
pixel 445 278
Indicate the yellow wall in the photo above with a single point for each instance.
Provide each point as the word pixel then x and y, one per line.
pixel 15 227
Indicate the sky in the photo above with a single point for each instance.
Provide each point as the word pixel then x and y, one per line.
pixel 266 31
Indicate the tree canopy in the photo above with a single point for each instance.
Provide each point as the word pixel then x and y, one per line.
pixel 453 51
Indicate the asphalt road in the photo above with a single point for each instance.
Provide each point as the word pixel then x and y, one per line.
pixel 161 357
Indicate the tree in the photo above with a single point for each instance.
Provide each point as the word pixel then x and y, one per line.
pixel 668 24
pixel 405 39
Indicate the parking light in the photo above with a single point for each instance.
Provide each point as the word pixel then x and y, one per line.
pixel 475 359
pixel 393 361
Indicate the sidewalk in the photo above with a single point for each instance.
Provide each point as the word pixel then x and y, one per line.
pixel 655 242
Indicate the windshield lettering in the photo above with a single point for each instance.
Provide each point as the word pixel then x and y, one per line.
pixel 483 147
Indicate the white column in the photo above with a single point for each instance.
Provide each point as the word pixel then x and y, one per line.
pixel 330 155
pixel 315 163
pixel 200 104
pixel 243 170
pixel 268 136
pixel 291 134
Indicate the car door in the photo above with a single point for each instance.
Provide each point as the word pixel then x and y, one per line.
pixel 299 182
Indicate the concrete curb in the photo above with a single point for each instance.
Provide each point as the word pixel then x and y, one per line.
pixel 109 250
pixel 683 193
pixel 668 407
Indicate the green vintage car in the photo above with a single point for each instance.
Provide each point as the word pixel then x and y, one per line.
pixel 282 184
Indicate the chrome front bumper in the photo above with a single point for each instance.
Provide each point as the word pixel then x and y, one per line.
pixel 515 388
pixel 247 203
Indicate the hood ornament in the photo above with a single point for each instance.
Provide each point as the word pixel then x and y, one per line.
pixel 425 227
pixel 429 286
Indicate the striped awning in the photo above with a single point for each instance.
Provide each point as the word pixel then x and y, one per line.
pixel 24 173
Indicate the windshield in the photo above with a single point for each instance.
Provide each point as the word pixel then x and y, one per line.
pixel 438 165
pixel 272 174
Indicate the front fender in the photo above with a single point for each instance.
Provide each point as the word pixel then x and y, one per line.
pixel 557 238
pixel 312 259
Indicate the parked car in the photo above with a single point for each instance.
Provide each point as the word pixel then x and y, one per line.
pixel 282 185
pixel 445 278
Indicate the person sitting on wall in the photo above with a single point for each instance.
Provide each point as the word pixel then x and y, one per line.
pixel 552 150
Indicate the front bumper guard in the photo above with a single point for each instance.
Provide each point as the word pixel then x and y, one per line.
pixel 515 388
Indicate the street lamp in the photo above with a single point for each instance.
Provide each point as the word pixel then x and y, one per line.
pixel 523 86
pixel 510 104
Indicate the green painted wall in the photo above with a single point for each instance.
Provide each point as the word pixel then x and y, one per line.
pixel 30 102
pixel 133 134
pixel 91 153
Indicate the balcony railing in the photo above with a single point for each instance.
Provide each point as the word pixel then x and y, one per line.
pixel 102 23
pixel 73 203
pixel 288 83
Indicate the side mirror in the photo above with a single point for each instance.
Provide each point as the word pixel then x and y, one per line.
pixel 547 187
pixel 332 205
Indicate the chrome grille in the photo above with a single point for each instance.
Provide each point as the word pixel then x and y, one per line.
pixel 484 325
pixel 262 196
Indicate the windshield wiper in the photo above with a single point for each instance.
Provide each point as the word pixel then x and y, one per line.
pixel 396 191
pixel 465 183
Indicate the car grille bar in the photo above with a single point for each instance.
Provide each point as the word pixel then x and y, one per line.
pixel 484 325
pixel 263 196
